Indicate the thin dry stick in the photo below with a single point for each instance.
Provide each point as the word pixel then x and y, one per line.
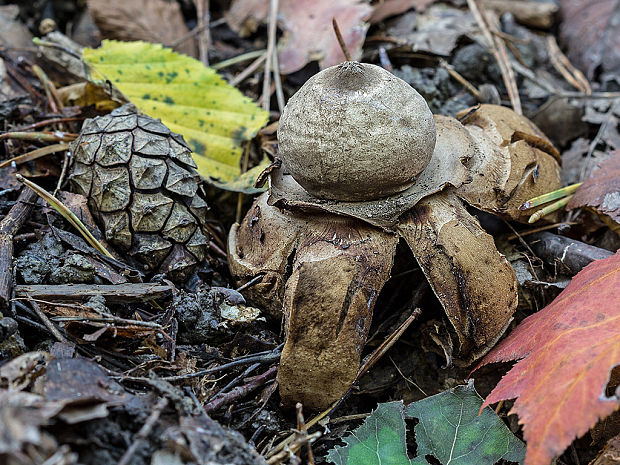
pixel 45 136
pixel 565 67
pixel 244 168
pixel 271 45
pixel 187 36
pixel 33 155
pixel 144 431
pixel 278 81
pixel 498 48
pixel 458 77
pixel 9 226
pixel 202 11
pixel 238 59
pixel 343 46
pixel 46 321
pixel 239 78
pixel 50 89
pixel 63 173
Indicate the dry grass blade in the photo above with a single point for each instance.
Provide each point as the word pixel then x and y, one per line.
pixel 66 214
pixel 498 48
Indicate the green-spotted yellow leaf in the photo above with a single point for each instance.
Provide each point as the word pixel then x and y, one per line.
pixel 214 118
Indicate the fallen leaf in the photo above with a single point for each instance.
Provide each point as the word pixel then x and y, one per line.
pixel 449 429
pixel 436 31
pixel 387 8
pixel 379 440
pixel 452 431
pixel 156 21
pixel 308 32
pixel 602 190
pixel 214 118
pixel 590 31
pixel 566 352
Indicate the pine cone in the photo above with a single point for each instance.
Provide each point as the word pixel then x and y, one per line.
pixel 142 187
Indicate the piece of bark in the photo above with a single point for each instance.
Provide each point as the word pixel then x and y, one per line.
pixel 120 293
pixel 8 228
pixel 570 254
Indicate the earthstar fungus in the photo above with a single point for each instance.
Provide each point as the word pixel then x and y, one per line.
pixel 364 164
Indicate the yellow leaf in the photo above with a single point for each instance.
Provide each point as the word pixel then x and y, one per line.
pixel 214 118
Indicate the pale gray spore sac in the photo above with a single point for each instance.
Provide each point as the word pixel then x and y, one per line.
pixel 356 132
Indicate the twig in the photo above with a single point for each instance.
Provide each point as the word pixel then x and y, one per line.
pixel 46 136
pixel 189 35
pixel 46 321
pixel 236 380
pixel 249 70
pixel 250 283
pixel 202 11
pixel 9 226
pixel 565 67
pixel 264 358
pixel 277 81
pixel 144 431
pixel 458 77
pixel 238 59
pixel 50 89
pixel 343 46
pixel 498 48
pixel 34 154
pixel 271 45
pixel 241 391
pixel 48 122
pixel 244 168
pixel 61 179
pixel 303 429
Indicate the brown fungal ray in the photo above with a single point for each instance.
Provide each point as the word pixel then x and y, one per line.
pixel 324 272
pixel 474 282
pixel 340 267
pixel 263 245
pixel 514 162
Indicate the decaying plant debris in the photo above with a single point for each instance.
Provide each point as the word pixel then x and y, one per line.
pixel 179 339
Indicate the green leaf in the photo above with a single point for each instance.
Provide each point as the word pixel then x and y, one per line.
pixel 214 118
pixel 451 430
pixel 380 440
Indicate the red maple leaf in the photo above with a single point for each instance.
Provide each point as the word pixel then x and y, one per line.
pixel 566 352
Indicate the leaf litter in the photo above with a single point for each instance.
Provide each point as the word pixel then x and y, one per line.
pixel 151 346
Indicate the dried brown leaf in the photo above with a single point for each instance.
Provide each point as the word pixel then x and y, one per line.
pixel 387 8
pixel 156 21
pixel 590 31
pixel 308 28
pixel 602 190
